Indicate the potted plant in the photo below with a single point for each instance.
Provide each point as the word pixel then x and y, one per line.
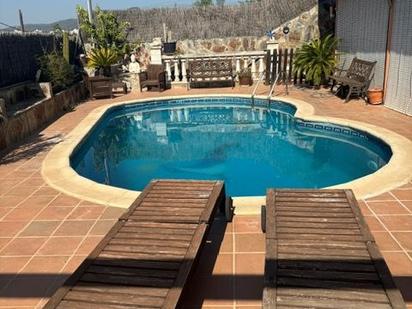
pixel 245 77
pixel 102 59
pixel 316 60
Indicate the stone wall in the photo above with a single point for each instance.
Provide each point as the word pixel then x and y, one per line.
pixel 303 28
pixel 215 21
pixel 25 122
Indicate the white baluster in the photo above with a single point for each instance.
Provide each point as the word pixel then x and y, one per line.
pixel 237 64
pixel 184 72
pixel 245 62
pixel 254 75
pixel 168 70
pixel 177 73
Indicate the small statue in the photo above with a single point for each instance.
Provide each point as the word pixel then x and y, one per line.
pixel 134 66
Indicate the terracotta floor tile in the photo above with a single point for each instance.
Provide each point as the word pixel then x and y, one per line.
pixel 364 208
pixel 407 204
pixel 403 195
pixel 40 228
pixel 45 264
pixel 212 265
pixel 23 246
pixel 404 284
pixel 250 242
pixel 10 229
pixel 399 263
pixel 47 191
pixel 74 228
pixel 64 200
pixel 22 190
pixel 12 265
pixel 374 224
pixel 25 291
pixel 220 242
pixel 33 182
pixel 4 211
pixel 73 264
pixel 60 246
pixel 397 223
pixel 112 213
pixel 11 200
pixel 22 214
pixel 387 207
pixel 36 202
pixel 249 264
pixel 220 227
pixel 4 242
pixel 102 227
pixel 214 291
pixel 88 245
pixel 250 224
pixel 86 212
pixel 249 289
pixel 405 239
pixel 383 197
pixel 54 213
pixel 385 241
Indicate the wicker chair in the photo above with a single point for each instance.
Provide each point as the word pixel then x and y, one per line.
pixel 154 76
pixel 358 78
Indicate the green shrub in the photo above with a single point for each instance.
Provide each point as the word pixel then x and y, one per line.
pixel 316 59
pixel 102 58
pixel 57 70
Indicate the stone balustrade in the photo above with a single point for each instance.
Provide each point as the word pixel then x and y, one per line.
pixel 176 66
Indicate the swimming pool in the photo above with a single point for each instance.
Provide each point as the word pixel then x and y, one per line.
pixel 250 148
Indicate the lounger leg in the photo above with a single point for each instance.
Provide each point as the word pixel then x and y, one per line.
pixel 349 94
pixel 333 85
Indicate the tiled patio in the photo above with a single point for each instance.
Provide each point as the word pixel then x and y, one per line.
pixel 44 234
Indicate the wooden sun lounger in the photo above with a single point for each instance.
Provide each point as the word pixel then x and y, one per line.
pixel 147 257
pixel 321 254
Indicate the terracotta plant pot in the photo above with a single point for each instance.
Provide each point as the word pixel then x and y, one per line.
pixel 245 81
pixel 375 96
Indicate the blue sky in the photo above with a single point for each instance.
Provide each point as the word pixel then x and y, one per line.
pixel 47 11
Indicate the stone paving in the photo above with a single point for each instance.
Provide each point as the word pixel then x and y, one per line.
pixel 45 235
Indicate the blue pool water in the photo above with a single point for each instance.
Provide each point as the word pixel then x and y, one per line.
pixel 251 149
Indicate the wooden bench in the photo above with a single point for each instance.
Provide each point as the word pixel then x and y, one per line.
pixel 210 71
pixel 321 254
pixel 147 257
pixel 357 78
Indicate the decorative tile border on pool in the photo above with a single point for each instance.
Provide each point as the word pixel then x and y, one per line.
pixel 58 173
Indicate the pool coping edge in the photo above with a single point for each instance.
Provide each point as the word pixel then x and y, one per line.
pixel 58 173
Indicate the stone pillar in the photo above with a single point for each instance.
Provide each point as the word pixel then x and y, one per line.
pixel 156 51
pixel 272 45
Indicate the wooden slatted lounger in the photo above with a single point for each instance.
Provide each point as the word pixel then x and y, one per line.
pixel 321 254
pixel 147 257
